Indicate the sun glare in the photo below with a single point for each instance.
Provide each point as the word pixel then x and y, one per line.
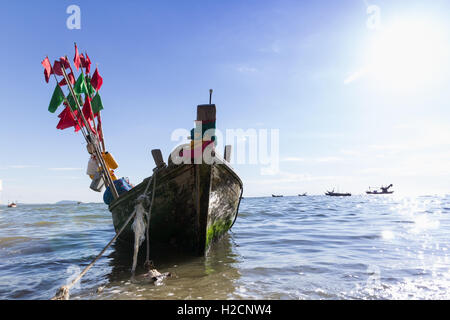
pixel 408 54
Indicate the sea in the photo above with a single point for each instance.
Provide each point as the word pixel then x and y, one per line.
pixel 307 248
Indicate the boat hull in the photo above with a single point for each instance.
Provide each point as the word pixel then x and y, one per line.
pixel 371 192
pixel 194 205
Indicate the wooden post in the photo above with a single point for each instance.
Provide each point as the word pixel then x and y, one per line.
pixel 157 156
pixel 92 139
pixel 227 153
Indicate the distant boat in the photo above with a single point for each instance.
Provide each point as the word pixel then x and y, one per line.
pixel 12 205
pixel 277 196
pixel 302 195
pixel 383 190
pixel 337 194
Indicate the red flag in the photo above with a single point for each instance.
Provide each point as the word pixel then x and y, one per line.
pixel 76 59
pixel 99 126
pixel 67 119
pixel 87 64
pixel 82 59
pixel 47 69
pixel 71 79
pixel 87 109
pixel 96 80
pixel 57 66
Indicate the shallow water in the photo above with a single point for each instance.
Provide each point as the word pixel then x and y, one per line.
pixel 316 247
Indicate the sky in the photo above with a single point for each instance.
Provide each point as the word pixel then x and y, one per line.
pixel 358 90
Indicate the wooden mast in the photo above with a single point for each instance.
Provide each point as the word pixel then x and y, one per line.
pixel 91 139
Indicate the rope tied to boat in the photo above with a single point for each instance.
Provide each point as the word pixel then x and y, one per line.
pixel 138 228
pixel 63 293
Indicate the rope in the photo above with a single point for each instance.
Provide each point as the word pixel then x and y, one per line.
pixel 63 293
pixel 139 224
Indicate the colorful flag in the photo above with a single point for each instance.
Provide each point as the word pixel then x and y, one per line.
pixel 96 80
pixel 99 127
pixel 87 113
pixel 76 59
pixel 82 59
pixel 57 66
pixel 47 69
pixel 96 104
pixel 87 64
pixel 67 119
pixel 89 86
pixel 80 85
pixel 57 99
pixel 65 62
pixel 87 109
pixel 72 103
pixel 71 79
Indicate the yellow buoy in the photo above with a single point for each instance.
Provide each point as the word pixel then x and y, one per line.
pixel 109 159
pixel 113 176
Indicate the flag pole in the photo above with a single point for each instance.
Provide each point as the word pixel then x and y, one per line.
pixel 102 138
pixel 99 122
pixel 85 134
pixel 91 140
pixel 85 83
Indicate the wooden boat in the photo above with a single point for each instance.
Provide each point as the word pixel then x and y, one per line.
pixel 277 196
pixel 383 190
pixel 337 194
pixel 194 204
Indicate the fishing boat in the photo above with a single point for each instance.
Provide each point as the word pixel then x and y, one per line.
pixel 189 203
pixel 302 194
pixel 337 194
pixel 383 190
pixel 12 205
pixel 193 205
pixel 277 196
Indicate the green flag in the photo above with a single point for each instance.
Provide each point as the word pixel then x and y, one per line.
pixel 91 89
pixel 80 85
pixel 96 104
pixel 72 103
pixel 57 99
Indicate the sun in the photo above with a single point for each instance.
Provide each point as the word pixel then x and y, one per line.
pixel 409 53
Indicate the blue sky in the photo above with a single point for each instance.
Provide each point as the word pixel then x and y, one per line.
pixel 355 107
